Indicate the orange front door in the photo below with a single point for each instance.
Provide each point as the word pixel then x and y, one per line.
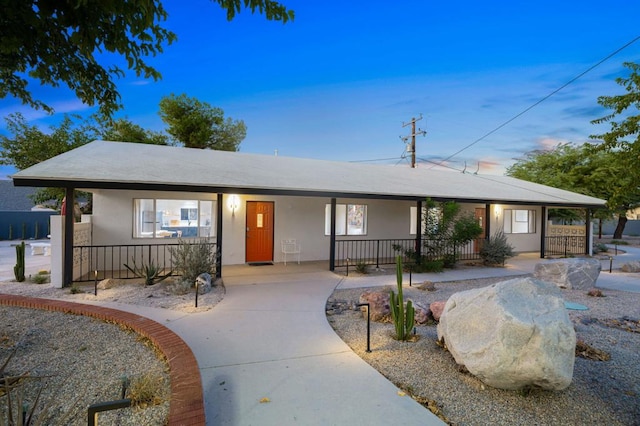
pixel 481 217
pixel 259 237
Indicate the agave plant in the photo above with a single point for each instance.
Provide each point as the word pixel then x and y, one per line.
pixel 150 272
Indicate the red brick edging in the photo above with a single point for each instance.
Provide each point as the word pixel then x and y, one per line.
pixel 186 407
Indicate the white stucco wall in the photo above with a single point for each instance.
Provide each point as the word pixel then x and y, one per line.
pixel 301 218
pixel 521 242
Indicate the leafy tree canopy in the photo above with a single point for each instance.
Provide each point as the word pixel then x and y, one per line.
pixel 58 42
pixel 196 124
pixel 29 145
pixel 608 175
pixel 124 130
pixel 624 134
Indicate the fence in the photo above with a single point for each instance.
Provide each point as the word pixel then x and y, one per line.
pixel 384 251
pixel 107 261
pixel 564 245
pixel 20 225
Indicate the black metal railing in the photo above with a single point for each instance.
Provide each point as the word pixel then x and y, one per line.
pixel 565 245
pixel 384 251
pixel 107 261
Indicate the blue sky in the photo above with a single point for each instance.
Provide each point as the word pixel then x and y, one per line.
pixel 341 79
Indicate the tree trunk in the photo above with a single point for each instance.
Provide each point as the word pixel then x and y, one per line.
pixel 622 221
pixel 600 228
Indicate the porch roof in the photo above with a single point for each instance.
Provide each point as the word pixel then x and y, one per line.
pixel 120 165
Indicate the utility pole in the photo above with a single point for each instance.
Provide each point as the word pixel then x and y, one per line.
pixel 413 135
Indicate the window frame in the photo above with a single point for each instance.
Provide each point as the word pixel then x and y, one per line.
pixel 345 215
pixel 205 217
pixel 514 220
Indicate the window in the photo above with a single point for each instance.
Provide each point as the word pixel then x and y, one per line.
pixel 351 219
pixel 519 221
pixel 172 218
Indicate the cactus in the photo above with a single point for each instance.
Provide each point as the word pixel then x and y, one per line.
pixel 403 317
pixel 18 270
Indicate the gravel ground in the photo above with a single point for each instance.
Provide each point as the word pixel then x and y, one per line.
pixel 85 359
pixel 602 392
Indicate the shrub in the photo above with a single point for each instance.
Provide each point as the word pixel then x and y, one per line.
pixel 619 242
pixel 496 249
pixel 191 259
pixel 147 390
pixel 361 267
pixel 428 266
pixel 600 248
pixel 40 278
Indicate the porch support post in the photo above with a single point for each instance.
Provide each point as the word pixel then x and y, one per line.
pixel 332 247
pixel 69 219
pixel 543 231
pixel 419 230
pixel 587 224
pixel 487 221
pixel 219 237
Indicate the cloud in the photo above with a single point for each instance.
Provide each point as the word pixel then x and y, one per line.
pixel 140 83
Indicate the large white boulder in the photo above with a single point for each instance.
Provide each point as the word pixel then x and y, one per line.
pixel 574 273
pixel 511 335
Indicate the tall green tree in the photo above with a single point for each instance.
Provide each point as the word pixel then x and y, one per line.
pixel 197 124
pixel 28 145
pixel 581 169
pixel 124 130
pixel 623 139
pixel 61 42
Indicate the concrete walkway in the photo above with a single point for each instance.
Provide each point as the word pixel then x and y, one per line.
pixel 269 340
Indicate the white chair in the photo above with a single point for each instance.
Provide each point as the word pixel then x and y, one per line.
pixel 291 246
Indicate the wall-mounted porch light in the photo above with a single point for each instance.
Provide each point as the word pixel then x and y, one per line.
pixel 233 203
pixel 497 210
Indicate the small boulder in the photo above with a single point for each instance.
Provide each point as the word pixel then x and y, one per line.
pixel 378 304
pixel 423 314
pixel 203 283
pixel 437 308
pixel 427 286
pixel 631 266
pixel 577 273
pixel 108 283
pixel 511 335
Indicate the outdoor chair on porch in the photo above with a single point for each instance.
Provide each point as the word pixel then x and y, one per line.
pixel 291 247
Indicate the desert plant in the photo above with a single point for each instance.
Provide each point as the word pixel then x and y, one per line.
pixel 146 390
pixel 40 278
pixel 496 249
pixel 194 258
pixel 600 248
pixel 446 228
pixel 361 267
pixel 20 408
pixel 18 270
pixel 403 317
pixel 75 289
pixel 150 272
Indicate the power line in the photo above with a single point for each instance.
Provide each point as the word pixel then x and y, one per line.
pixel 376 159
pixel 540 101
